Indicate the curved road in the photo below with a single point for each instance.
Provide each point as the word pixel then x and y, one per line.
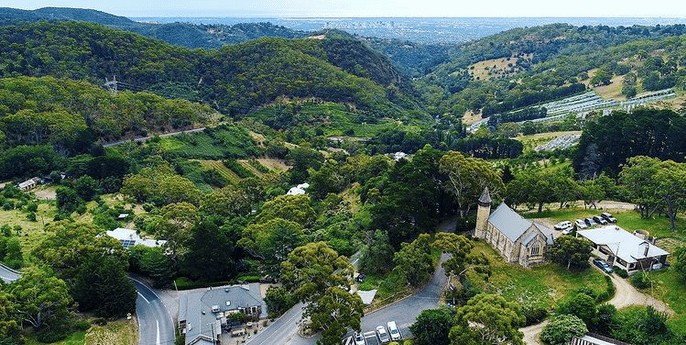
pixel 7 274
pixel 404 312
pixel 155 325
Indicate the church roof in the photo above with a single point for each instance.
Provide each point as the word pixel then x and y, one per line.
pixel 513 226
pixel 485 197
pixel 509 222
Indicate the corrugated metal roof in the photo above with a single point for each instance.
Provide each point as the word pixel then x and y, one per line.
pixel 622 243
pixel 509 222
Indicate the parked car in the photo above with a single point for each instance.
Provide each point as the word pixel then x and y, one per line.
pixel 563 225
pixel 589 221
pixel 609 217
pixel 580 224
pixel 603 265
pixel 394 331
pixel 360 277
pixel 382 334
pixel 359 339
pixel 600 220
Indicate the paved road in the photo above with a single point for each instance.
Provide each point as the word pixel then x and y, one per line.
pixel 405 312
pixel 116 143
pixel 7 274
pixel 155 326
pixel 283 330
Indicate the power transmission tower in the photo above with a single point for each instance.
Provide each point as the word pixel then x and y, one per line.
pixel 111 85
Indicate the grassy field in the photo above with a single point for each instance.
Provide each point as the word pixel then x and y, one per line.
pixel 487 69
pixel 543 286
pixel 612 91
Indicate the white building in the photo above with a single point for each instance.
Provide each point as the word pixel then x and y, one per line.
pixel 29 184
pixel 299 189
pixel 130 238
pixel 624 250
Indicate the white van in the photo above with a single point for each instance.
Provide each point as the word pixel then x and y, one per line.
pixel 394 331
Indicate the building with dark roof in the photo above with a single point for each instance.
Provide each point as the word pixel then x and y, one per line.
pixel 517 239
pixel 204 315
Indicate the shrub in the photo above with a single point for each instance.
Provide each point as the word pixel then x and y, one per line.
pixel 561 330
pixel 534 315
pixel 620 272
pixel 641 280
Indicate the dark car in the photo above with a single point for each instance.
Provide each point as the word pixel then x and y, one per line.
pixel 360 278
pixel 600 220
pixel 603 265
pixel 589 222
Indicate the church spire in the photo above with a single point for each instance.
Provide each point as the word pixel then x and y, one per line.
pixel 485 198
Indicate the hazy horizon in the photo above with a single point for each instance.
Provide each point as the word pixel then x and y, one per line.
pixel 671 9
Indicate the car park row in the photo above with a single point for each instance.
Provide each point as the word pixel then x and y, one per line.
pixel 382 335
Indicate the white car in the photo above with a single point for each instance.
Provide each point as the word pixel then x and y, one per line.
pixel 359 339
pixel 382 334
pixel 393 330
pixel 580 224
pixel 563 225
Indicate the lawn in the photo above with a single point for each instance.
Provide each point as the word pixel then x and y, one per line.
pixel 670 288
pixel 542 286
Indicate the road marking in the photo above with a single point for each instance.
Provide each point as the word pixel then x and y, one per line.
pixel 157 341
pixel 286 323
pixel 140 294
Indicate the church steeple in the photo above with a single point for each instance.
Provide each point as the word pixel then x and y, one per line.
pixel 485 198
pixel 483 211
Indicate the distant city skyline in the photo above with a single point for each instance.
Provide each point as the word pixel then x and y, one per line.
pixel 369 8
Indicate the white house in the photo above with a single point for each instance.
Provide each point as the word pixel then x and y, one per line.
pixel 130 238
pixel 29 184
pixel 624 250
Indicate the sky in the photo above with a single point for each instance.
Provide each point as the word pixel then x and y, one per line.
pixel 370 8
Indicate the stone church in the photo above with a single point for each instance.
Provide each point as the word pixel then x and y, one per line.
pixel 518 240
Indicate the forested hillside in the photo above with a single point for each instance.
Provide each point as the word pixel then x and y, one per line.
pixel 181 34
pixel 235 79
pixel 544 63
